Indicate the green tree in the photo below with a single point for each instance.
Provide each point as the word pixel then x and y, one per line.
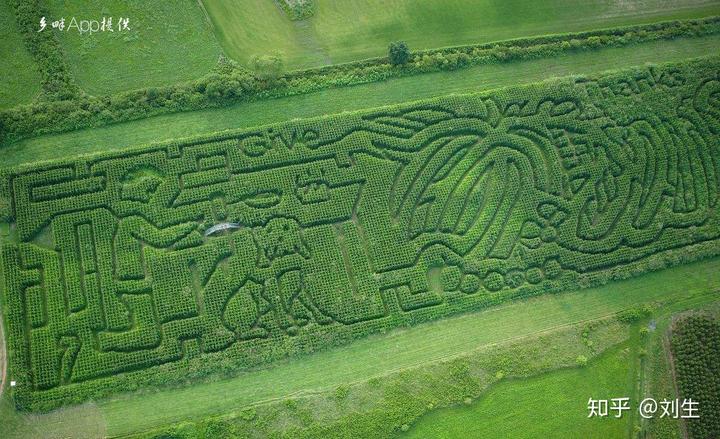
pixel 398 53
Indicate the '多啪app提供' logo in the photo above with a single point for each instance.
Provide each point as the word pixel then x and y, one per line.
pixel 84 26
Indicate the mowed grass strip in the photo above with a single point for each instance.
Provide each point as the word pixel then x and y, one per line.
pixel 331 101
pixel 347 30
pixel 406 348
pixel 167 42
pixel 20 76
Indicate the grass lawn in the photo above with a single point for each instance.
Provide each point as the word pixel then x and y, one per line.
pixel 550 405
pixel 168 42
pixel 687 285
pixel 347 30
pixel 19 73
pixel 332 101
pixel 555 404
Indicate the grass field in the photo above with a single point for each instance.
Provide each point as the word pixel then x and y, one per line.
pixel 682 287
pixel 550 405
pixel 555 404
pixel 168 42
pixel 346 30
pixel 20 77
pixel 331 101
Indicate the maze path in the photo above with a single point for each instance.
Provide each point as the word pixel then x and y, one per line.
pixel 348 226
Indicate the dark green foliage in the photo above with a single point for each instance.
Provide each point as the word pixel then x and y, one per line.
pixel 45 49
pixel 230 85
pixel 696 350
pixel 297 9
pixel 350 225
pixel 634 314
pixel 398 53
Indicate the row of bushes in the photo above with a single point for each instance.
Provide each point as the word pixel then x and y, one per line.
pixel 57 82
pixel 230 84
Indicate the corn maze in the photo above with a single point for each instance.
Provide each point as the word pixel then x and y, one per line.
pixel 347 226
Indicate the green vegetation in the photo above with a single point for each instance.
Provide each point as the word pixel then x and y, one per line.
pixel 436 255
pixel 229 84
pixel 336 100
pixel 21 78
pixel 487 198
pixel 347 30
pixel 297 9
pixel 398 53
pixel 267 67
pixel 57 82
pixel 383 406
pixel 696 351
pixel 167 42
pixel 551 405
pixel 676 288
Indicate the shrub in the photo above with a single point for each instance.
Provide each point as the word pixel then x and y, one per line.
pixel 398 53
pixel 581 360
pixel 268 67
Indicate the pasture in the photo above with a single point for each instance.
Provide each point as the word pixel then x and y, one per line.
pixel 21 78
pixel 347 30
pixel 167 42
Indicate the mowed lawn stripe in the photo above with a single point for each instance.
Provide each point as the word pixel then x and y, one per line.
pixel 331 101
pixel 400 349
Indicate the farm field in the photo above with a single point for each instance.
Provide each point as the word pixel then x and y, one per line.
pixel 21 79
pixel 697 284
pixel 167 42
pixel 358 219
pixel 346 30
pixel 331 101
pixel 492 197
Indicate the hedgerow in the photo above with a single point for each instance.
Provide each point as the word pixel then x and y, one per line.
pixel 350 225
pixel 229 85
pixel 696 350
